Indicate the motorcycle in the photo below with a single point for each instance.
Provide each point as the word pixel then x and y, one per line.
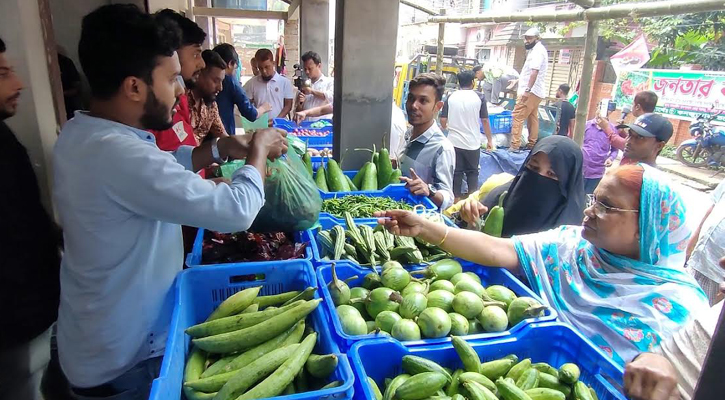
pixel 707 147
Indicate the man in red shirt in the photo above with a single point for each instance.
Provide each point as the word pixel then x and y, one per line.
pixel 192 36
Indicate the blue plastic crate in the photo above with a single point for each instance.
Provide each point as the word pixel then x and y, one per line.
pixel 489 276
pixel 315 142
pixel 199 291
pixel 193 259
pixel 552 342
pixel 501 122
pixel 396 192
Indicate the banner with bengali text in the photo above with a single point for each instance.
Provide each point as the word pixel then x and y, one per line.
pixel 682 94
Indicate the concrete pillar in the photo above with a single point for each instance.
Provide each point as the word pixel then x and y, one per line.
pixel 365 40
pixel 35 122
pixel 205 23
pixel 292 44
pixel 314 28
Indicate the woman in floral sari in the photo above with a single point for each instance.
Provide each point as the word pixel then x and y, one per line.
pixel 619 278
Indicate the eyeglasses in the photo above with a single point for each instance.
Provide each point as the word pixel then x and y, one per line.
pixel 601 210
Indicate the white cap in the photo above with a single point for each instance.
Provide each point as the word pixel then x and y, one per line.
pixel 533 32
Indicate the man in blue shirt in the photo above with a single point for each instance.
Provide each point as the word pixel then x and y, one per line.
pixel 232 92
pixel 121 202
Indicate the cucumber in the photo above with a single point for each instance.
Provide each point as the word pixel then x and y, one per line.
pixel 394 384
pixel 234 323
pixel 455 383
pixel 375 389
pixel 235 303
pixel 479 392
pixel 285 374
pixel 497 368
pixel 218 366
pixel 509 391
pixel 302 382
pixel 478 378
pixel 251 309
pixel 551 382
pixel 210 384
pixel 320 179
pixel 420 386
pixel 196 395
pixel 254 335
pixel 569 373
pixel 331 385
pixel 593 393
pixel 415 365
pixel 321 366
pixel 546 368
pixel 529 379
pixel 455 396
pixel 545 394
pixel 513 357
pixel 467 354
pixel 289 390
pixel 581 391
pixel 357 179
pixel 193 370
pixel 291 336
pixel 518 369
pixel 351 184
pixel 276 299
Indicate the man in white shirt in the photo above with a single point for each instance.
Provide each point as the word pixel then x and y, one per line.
pixel 464 111
pixel 531 90
pixel 255 72
pixel 320 93
pixel 270 87
pixel 398 127
pixel 707 245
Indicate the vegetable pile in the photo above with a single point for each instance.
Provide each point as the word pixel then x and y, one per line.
pixel 220 248
pixel 376 174
pixel 365 245
pixel 255 347
pixel 445 301
pixel 506 379
pixel 360 206
pixel 309 132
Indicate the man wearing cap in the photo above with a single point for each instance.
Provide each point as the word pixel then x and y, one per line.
pixel 647 137
pixel 531 90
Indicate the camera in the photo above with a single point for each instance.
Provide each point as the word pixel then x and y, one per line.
pixel 301 80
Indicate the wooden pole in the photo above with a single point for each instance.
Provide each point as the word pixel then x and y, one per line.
pixel 585 86
pixel 625 10
pixel 439 50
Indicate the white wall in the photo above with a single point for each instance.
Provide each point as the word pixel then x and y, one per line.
pixel 35 123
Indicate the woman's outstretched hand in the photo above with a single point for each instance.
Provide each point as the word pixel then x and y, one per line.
pixel 401 223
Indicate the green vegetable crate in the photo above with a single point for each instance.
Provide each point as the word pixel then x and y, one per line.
pixel 552 343
pixel 396 193
pixel 489 276
pixel 199 291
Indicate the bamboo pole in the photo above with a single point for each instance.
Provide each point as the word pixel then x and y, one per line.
pixel 418 7
pixel 441 44
pixel 585 87
pixel 634 10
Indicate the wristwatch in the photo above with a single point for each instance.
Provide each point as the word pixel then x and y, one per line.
pixel 432 190
pixel 527 90
pixel 215 152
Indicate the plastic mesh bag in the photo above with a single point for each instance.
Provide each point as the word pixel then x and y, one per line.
pixel 293 202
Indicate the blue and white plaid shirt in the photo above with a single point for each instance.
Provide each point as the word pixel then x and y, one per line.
pixel 433 158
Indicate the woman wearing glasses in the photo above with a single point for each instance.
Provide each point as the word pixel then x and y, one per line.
pixel 619 278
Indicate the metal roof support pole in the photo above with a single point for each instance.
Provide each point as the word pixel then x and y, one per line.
pixel 585 86
pixel 439 50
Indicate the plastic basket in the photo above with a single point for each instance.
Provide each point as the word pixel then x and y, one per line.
pixel 285 124
pixel 315 142
pixel 200 290
pixel 489 276
pixel 193 259
pixel 396 192
pixel 500 123
pixel 554 343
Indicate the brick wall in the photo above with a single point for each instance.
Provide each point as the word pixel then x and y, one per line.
pixel 602 90
pixel 292 44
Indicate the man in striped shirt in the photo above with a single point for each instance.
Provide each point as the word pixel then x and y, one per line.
pixel 429 158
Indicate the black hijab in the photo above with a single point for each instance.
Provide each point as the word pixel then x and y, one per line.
pixel 535 203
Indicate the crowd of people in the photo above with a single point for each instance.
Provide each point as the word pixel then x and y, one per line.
pixel 608 248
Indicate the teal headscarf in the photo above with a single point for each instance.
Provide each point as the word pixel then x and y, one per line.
pixel 624 306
